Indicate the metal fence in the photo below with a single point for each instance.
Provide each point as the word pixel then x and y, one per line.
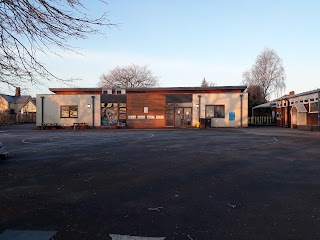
pixel 262 120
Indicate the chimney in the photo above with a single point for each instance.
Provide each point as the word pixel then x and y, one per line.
pixel 291 93
pixel 18 92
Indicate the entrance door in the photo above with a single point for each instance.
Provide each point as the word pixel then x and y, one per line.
pixel 182 116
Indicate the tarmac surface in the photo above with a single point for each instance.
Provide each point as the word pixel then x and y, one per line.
pixel 252 183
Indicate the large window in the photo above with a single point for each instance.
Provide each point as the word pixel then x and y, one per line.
pixel 215 111
pixel 313 107
pixel 69 111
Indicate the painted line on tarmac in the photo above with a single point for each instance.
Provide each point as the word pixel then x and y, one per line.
pixel 128 237
pixel 32 140
pixel 146 137
pixel 255 146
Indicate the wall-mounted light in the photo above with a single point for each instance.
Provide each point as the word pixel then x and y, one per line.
pixel 89 105
pixel 197 105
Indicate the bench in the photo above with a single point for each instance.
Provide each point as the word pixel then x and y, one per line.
pixel 79 125
pixel 49 126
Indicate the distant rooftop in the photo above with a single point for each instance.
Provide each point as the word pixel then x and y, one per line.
pixel 298 94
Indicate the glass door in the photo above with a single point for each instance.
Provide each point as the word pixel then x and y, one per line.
pixel 187 117
pixel 182 117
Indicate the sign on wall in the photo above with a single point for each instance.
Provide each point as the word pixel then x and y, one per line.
pixel 232 116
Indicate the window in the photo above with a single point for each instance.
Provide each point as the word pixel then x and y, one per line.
pixel 69 111
pixel 215 111
pixel 313 107
pixel 209 111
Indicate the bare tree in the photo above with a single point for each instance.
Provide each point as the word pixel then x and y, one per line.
pixel 132 76
pixel 266 76
pixel 256 93
pixel 28 27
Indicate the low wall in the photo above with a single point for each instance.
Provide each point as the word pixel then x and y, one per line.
pixel 308 127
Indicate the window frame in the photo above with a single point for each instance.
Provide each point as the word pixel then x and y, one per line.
pixel 315 103
pixel 214 110
pixel 67 109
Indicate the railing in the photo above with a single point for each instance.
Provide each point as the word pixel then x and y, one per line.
pixel 261 120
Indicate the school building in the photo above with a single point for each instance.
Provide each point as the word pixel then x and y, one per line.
pixel 220 106
pixel 300 111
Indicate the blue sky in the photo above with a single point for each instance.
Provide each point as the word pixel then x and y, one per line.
pixel 184 41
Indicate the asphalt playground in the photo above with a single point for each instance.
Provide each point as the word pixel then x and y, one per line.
pixel 250 183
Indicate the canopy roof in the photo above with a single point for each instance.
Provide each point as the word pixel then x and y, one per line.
pixel 300 107
pixel 266 105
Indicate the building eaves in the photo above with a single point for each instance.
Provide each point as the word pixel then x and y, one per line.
pixel 54 90
pixel 182 89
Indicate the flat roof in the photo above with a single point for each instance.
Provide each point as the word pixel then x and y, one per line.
pixel 182 89
pixel 186 88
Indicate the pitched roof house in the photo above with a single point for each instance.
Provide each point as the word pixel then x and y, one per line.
pixel 14 104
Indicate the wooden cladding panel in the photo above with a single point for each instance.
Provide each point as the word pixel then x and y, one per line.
pixel 77 92
pixel 312 119
pixel 156 104
pixel 147 123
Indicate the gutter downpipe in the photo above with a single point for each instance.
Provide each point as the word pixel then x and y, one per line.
pixel 199 96
pixel 42 110
pixel 93 110
pixel 318 106
pixel 241 106
pixel 288 113
pixel 281 112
